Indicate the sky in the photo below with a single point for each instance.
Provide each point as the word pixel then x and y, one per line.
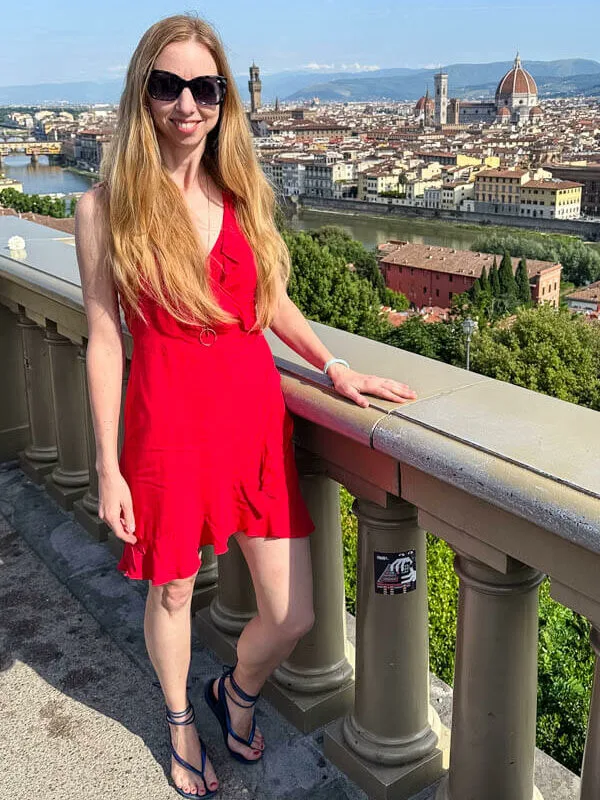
pixel 70 40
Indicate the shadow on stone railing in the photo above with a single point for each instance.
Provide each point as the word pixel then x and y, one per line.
pixel 509 478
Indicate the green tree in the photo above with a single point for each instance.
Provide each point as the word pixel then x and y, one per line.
pixel 443 341
pixel 73 206
pixel 580 262
pixel 484 281
pixel 522 281
pixel 396 300
pixel 475 292
pixel 549 351
pixel 495 280
pixel 508 286
pixel 327 291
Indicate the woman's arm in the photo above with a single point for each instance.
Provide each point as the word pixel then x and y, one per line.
pixel 290 325
pixel 104 360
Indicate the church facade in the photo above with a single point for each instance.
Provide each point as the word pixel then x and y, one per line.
pixel 515 102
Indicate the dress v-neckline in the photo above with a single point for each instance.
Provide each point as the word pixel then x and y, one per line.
pixel 217 241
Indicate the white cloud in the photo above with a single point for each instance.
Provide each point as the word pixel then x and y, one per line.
pixel 119 69
pixel 356 67
pixel 318 67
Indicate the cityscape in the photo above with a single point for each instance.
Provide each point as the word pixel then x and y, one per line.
pixel 514 158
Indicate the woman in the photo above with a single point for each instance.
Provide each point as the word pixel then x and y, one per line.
pixel 181 230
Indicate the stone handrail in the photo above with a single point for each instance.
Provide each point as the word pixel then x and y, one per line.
pixel 509 478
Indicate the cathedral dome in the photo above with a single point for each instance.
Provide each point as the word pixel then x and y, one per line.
pixel 424 102
pixel 536 111
pixel 516 81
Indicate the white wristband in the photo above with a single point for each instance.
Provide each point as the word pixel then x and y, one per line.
pixel 335 361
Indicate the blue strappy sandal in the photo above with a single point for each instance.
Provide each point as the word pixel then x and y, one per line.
pixel 219 708
pixel 187 717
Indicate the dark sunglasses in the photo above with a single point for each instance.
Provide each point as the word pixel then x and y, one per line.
pixel 207 90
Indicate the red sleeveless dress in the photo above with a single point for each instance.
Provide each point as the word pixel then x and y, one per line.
pixel 207 446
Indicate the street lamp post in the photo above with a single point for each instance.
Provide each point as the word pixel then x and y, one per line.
pixel 469 327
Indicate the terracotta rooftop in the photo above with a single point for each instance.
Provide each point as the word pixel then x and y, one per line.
pixel 446 259
pixel 590 293
pixel 501 173
pixel 551 184
pixel 66 225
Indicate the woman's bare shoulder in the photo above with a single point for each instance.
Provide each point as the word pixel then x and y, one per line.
pixel 91 203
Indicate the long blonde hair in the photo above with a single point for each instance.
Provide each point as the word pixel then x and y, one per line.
pixel 152 241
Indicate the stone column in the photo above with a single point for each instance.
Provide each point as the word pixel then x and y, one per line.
pixel 39 457
pixel 205 586
pixel 386 744
pixel 86 509
pixel 590 772
pixel 234 605
pixel 15 433
pixel 315 684
pixel 495 684
pixel 68 480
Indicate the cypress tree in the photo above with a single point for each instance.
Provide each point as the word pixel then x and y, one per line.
pixel 522 280
pixel 508 285
pixel 475 292
pixel 484 281
pixel 495 280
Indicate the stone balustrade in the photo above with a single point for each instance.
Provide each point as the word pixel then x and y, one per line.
pixel 509 478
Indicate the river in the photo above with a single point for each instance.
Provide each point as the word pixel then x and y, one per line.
pixel 41 178
pixel 372 231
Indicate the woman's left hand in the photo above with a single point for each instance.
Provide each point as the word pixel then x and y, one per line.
pixel 352 384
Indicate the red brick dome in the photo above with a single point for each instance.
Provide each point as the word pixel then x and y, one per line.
pixel 516 81
pixel 423 102
pixel 536 111
pixel 504 112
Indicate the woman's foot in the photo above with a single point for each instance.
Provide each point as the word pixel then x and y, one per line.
pixel 241 722
pixel 186 742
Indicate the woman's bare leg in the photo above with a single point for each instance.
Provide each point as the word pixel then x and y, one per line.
pixel 282 575
pixel 167 628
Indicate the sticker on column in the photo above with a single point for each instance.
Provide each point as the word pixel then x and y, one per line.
pixel 395 573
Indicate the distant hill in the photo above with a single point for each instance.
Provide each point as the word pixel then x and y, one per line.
pixel 557 78
pixel 468 81
pixel 46 93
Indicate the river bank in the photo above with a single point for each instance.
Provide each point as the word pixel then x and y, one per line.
pixel 93 176
pixel 583 229
pixel 375 228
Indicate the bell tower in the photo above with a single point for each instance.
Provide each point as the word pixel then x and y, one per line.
pixel 441 98
pixel 254 87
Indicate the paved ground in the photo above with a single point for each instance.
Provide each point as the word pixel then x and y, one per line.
pixel 79 715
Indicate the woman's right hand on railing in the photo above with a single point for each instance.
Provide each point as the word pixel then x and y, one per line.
pixel 115 506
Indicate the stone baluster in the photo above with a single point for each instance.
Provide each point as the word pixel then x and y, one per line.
pixel 15 432
pixel 590 772
pixel 39 457
pixel 495 684
pixel 86 509
pixel 68 480
pixel 315 684
pixel 386 744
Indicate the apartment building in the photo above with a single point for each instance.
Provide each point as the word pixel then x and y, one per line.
pixel 551 199
pixel 498 191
